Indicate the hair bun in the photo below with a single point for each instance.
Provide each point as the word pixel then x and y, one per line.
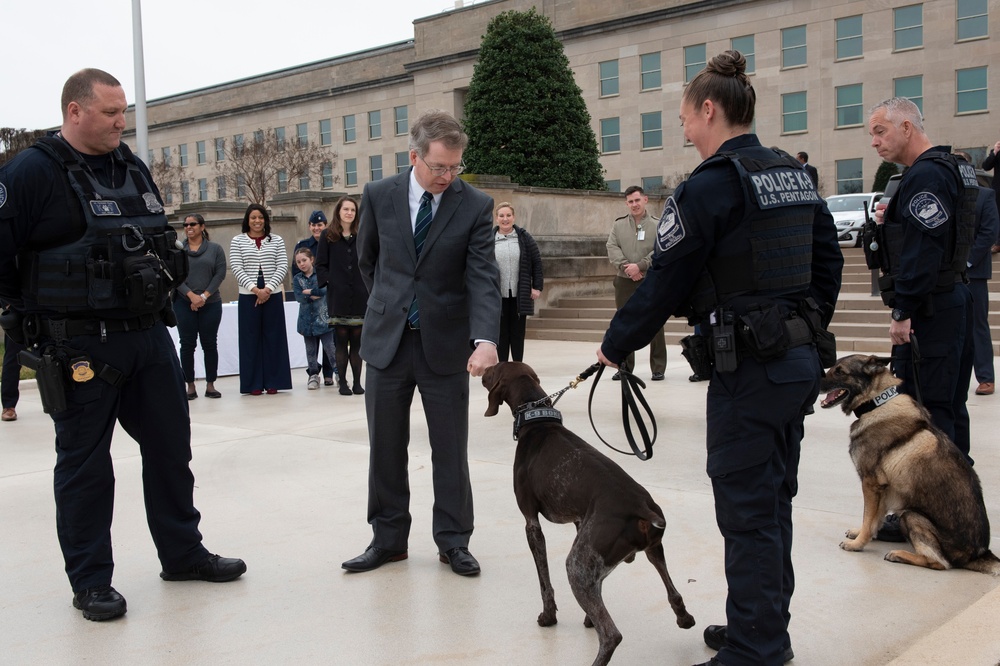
pixel 728 63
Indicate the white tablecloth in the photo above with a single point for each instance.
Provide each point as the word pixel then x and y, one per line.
pixel 229 338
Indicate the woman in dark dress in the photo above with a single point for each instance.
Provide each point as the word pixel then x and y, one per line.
pixel 337 269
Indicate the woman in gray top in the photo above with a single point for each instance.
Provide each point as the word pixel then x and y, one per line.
pixel 198 305
pixel 521 281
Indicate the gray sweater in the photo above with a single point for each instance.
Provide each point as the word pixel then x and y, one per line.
pixel 206 270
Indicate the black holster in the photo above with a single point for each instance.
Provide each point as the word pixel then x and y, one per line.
pixel 695 348
pixel 51 375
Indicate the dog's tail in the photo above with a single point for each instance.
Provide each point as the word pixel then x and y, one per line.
pixel 987 563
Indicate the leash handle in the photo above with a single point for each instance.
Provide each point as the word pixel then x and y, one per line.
pixel 630 385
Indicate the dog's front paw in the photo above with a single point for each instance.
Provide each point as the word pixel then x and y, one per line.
pixel 852 545
pixel 852 534
pixel 546 618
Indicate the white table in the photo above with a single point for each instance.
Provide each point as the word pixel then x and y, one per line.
pixel 229 342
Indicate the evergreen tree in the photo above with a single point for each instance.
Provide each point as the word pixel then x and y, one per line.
pixel 885 170
pixel 524 114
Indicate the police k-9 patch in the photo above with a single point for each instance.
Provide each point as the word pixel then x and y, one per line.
pixel 783 187
pixel 670 229
pixel 928 210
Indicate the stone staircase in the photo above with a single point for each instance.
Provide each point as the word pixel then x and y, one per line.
pixel 861 322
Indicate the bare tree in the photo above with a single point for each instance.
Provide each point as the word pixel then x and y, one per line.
pixel 13 141
pixel 166 175
pixel 253 169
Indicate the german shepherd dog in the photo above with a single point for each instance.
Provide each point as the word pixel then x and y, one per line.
pixel 910 468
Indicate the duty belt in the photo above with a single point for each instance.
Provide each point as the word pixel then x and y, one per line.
pixel 64 329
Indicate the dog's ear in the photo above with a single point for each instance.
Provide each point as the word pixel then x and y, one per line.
pixel 880 361
pixel 492 380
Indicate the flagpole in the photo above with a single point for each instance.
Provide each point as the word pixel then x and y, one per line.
pixel 141 123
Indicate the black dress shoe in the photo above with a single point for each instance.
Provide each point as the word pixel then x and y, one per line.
pixel 192 395
pixel 657 377
pixel 100 603
pixel 715 638
pixel 213 569
pixel 698 378
pixel 212 394
pixel 461 560
pixel 373 558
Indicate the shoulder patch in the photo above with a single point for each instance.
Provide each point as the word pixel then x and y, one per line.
pixel 3 194
pixel 670 229
pixel 928 210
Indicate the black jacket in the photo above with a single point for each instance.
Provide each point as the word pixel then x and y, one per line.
pixel 529 274
pixel 337 269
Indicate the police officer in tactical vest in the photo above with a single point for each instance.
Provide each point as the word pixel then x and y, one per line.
pixel 747 249
pixel 925 236
pixel 87 261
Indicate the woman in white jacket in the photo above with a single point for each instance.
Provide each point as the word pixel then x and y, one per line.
pixel 258 261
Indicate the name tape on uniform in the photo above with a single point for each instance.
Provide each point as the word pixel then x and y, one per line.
pixel 783 187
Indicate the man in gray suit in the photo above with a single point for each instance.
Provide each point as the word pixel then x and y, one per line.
pixel 426 255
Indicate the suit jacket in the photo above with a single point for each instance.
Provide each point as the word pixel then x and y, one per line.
pixel 456 279
pixel 987 229
pixel 813 173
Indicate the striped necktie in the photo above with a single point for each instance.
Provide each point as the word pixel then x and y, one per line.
pixel 423 223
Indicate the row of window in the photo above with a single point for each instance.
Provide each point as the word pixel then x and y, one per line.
pixel 972 22
pixel 970 97
pixel 400 127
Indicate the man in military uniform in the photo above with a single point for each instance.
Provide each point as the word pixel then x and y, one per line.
pixel 87 262
pixel 926 233
pixel 630 251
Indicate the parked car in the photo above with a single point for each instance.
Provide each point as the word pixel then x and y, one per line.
pixel 848 212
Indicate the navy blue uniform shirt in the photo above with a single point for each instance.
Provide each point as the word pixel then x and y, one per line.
pixel 926 205
pixel 710 204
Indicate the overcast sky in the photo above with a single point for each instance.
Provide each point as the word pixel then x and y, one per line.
pixel 187 44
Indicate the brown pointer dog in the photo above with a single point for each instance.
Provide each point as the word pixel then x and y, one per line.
pixel 560 476
pixel 909 467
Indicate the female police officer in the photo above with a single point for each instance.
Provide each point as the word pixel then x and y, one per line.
pixel 746 248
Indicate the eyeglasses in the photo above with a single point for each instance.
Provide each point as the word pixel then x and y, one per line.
pixel 191 224
pixel 439 171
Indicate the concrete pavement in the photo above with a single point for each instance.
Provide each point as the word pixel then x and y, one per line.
pixel 282 482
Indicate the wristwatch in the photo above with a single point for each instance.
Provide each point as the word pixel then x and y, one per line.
pixel 899 315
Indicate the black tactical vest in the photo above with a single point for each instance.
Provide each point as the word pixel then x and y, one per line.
pixel 126 261
pixel 768 255
pixel 958 241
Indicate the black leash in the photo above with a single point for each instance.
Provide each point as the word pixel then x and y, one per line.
pixel 631 399
pixel 915 359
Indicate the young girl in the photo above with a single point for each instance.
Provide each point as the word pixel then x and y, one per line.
pixel 314 322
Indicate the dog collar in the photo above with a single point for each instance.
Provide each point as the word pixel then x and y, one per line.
pixel 879 400
pixel 536 414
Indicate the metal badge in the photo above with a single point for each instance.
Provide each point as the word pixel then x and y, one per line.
pixel 81 371
pixel 153 204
